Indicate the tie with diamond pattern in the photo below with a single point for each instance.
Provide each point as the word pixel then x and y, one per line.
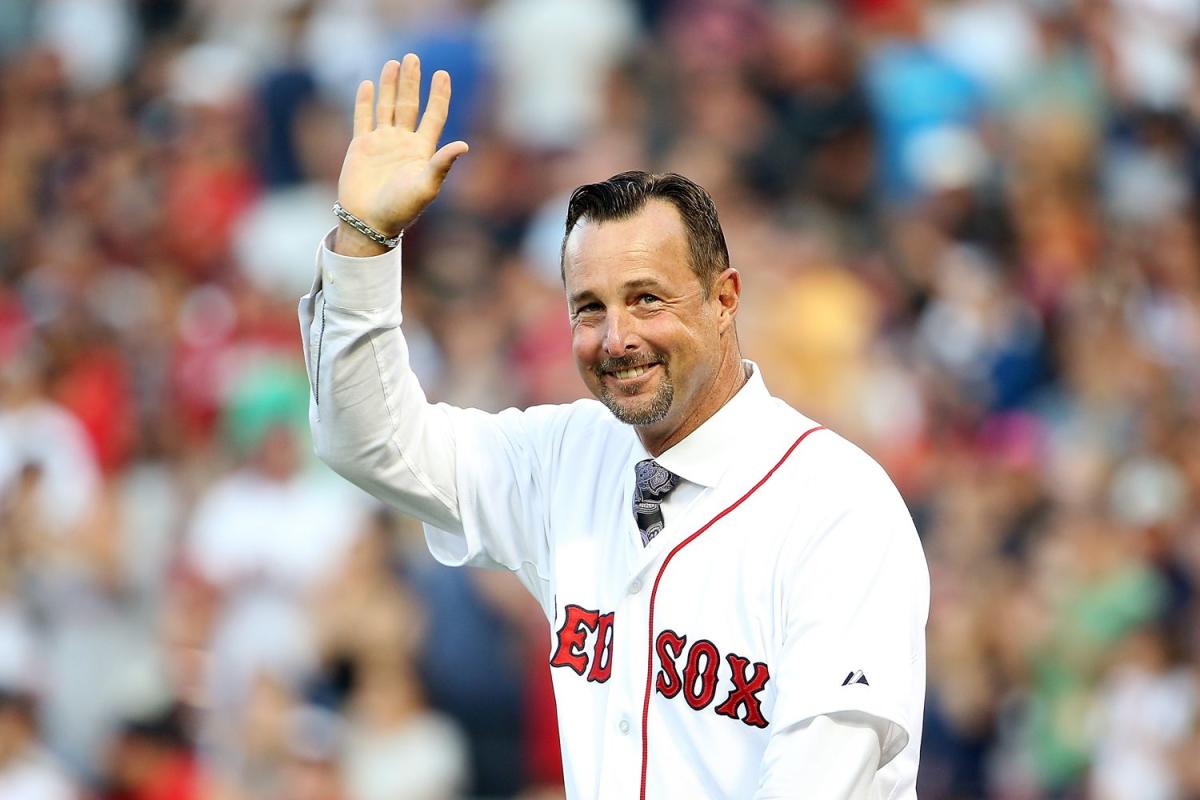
pixel 654 483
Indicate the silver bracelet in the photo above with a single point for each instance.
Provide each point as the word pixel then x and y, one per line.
pixel 365 229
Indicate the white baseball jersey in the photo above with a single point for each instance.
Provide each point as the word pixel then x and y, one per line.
pixel 788 582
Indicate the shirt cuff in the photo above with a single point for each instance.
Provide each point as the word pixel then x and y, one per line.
pixel 359 284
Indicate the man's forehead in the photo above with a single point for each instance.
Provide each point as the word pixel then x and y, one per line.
pixel 656 230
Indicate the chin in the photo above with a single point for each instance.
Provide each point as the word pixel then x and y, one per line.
pixel 641 412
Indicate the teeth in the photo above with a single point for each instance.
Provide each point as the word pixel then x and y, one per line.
pixel 625 374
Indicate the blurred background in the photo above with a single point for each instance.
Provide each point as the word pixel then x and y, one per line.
pixel 968 232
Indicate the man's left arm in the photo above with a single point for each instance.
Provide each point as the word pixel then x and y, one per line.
pixel 854 599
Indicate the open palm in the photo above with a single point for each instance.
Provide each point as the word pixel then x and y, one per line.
pixel 393 167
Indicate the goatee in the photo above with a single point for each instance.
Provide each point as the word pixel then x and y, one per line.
pixel 645 413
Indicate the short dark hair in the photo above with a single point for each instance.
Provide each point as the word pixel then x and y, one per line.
pixel 626 193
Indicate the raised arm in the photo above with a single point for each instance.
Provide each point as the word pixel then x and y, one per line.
pixel 475 478
pixel 369 417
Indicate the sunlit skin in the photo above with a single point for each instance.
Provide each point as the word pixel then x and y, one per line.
pixel 634 299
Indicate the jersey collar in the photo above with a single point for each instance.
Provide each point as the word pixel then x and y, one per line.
pixel 705 455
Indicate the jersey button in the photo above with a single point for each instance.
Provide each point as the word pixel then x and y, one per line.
pixel 623 726
pixel 635 587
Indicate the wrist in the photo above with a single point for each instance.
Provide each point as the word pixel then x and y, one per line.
pixel 366 229
pixel 348 241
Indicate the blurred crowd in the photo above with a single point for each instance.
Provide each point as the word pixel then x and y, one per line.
pixel 969 234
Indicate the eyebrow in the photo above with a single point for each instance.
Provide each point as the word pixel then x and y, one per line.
pixel 642 283
pixel 580 297
pixel 633 285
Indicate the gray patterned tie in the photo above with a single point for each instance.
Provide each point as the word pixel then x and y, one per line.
pixel 654 483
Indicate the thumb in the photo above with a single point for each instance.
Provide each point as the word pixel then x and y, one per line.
pixel 444 159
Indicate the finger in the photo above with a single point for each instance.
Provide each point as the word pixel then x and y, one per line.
pixel 444 159
pixel 362 108
pixel 434 118
pixel 385 111
pixel 408 93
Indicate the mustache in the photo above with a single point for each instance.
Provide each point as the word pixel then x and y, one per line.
pixel 628 362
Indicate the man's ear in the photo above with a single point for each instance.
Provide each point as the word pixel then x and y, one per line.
pixel 727 292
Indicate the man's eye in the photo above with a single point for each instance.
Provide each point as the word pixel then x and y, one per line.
pixel 647 298
pixel 587 307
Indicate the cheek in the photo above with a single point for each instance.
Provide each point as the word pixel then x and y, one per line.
pixel 686 342
pixel 695 354
pixel 585 344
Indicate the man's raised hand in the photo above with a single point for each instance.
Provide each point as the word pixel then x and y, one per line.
pixel 393 167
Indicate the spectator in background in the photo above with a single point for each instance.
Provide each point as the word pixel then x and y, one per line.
pixel 1146 709
pixel 313 770
pixel 61 541
pixel 263 540
pixel 551 62
pixel 44 451
pixel 151 759
pixel 370 628
pixel 27 771
pixel 902 66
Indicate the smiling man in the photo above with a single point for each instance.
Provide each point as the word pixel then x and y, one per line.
pixel 652 299
pixel 737 597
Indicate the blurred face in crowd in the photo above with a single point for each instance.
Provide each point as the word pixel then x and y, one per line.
pixel 651 344
pixel 16 726
pixel 279 452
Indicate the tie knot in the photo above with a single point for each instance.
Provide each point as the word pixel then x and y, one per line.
pixel 654 481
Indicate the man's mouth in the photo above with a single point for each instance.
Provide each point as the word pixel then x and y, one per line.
pixel 632 372
pixel 622 370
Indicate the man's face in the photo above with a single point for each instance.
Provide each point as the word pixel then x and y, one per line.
pixel 645 337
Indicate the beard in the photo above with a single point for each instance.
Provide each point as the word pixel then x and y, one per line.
pixel 645 412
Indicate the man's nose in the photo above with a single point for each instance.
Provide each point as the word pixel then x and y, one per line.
pixel 618 335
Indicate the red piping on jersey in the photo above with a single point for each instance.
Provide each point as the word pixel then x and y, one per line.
pixel 654 591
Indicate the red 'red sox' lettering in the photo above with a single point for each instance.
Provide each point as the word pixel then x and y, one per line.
pixel 667 683
pixel 602 651
pixel 572 637
pixel 745 691
pixel 701 674
pixel 697 680
pixel 700 682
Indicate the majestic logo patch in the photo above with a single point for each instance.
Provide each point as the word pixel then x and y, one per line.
pixel 856 677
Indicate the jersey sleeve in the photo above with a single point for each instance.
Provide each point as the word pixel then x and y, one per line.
pixel 475 479
pixel 854 598
pixel 833 756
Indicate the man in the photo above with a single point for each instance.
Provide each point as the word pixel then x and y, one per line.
pixel 737 596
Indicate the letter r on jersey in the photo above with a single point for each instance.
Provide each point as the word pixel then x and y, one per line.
pixel 745 691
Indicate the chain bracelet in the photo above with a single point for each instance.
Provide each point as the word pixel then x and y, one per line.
pixel 365 229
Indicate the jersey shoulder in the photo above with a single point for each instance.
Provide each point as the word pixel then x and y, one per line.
pixel 828 476
pixel 827 456
pixel 841 465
